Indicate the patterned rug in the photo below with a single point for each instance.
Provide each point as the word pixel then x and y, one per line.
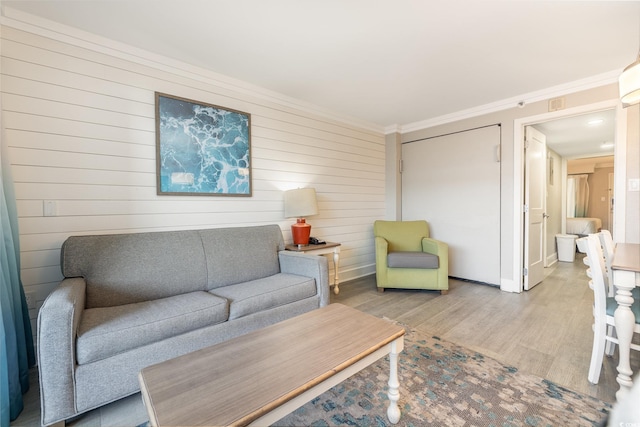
pixel 443 384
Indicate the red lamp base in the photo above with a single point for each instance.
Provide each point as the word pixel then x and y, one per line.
pixel 301 232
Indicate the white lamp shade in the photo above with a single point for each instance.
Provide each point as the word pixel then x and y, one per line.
pixel 300 203
pixel 629 84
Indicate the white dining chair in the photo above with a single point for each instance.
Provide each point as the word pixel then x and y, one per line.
pixel 606 241
pixel 603 307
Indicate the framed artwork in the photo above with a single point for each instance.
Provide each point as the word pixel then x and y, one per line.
pixel 201 149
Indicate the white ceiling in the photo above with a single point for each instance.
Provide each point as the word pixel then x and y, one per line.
pixel 581 136
pixel 387 62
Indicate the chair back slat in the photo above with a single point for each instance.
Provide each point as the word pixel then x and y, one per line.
pixel 597 273
pixel 606 241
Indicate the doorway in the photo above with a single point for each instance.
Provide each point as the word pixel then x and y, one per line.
pixel 586 143
pixel 620 147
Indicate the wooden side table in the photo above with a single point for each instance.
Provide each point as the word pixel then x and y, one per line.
pixel 322 249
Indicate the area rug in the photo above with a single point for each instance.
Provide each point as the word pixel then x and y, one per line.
pixel 443 384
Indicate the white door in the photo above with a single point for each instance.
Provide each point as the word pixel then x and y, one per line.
pixel 534 206
pixel 453 182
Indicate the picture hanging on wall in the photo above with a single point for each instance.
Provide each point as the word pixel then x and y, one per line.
pixel 201 149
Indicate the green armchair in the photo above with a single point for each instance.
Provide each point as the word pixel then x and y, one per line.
pixel 407 258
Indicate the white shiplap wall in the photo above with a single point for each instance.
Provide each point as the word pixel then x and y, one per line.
pixel 79 123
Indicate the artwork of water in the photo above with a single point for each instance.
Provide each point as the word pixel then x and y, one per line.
pixel 203 149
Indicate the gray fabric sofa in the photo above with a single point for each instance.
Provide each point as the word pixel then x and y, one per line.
pixel 132 300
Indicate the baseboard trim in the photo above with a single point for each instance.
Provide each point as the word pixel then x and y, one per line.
pixel 355 273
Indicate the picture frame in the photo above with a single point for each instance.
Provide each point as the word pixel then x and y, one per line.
pixel 201 149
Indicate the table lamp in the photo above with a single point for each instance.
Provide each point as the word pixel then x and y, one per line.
pixel 300 203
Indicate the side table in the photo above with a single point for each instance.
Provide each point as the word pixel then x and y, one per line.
pixel 322 249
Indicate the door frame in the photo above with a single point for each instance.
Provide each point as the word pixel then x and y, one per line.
pixel 517 285
pixel 610 201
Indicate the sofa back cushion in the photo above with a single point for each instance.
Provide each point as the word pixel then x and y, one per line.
pixel 130 268
pixel 236 255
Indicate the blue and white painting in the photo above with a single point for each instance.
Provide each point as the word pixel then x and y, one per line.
pixel 202 149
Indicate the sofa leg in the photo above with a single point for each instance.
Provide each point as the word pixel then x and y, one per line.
pixel 444 291
pixel 380 290
pixel 58 424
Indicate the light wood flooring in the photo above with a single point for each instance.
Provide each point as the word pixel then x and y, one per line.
pixel 545 331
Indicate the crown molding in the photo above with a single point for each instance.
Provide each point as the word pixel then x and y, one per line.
pixel 74 36
pixel 516 101
pixel 392 129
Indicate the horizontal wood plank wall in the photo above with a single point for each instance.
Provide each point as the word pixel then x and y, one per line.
pixel 80 127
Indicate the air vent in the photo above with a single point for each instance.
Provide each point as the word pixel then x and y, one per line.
pixel 556 104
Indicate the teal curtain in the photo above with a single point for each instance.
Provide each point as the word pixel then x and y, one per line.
pixel 16 340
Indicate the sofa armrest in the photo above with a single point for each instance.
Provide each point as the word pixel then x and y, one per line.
pixel 310 266
pixel 58 321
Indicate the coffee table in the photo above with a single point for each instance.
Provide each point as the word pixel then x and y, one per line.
pixel 264 375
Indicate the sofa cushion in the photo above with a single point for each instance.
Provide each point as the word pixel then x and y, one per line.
pixel 269 292
pixel 412 260
pixel 237 255
pixel 129 268
pixel 106 331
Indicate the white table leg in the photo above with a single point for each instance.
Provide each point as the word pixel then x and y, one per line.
pixel 624 320
pixel 336 259
pixel 393 411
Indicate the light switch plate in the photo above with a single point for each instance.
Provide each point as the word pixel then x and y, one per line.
pixel 50 208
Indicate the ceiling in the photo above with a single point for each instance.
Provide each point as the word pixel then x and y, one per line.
pixel 386 62
pixel 586 135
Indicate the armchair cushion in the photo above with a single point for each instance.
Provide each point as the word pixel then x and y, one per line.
pixel 412 260
pixel 402 236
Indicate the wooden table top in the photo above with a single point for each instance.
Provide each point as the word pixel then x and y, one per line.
pixel 238 381
pixel 296 248
pixel 626 257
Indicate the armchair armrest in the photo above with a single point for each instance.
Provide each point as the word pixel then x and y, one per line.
pixel 58 321
pixel 441 249
pixel 382 249
pixel 310 266
pixel 435 247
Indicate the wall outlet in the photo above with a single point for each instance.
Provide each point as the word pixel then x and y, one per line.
pixel 31 300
